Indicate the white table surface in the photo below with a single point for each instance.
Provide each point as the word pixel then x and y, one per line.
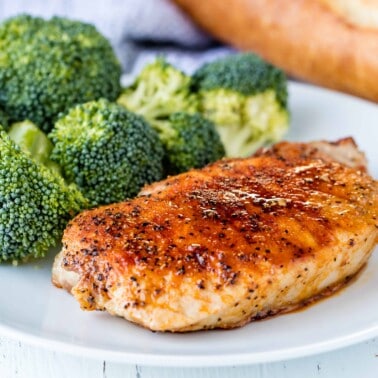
pixel 21 360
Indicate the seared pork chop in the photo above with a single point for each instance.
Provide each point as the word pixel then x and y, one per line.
pixel 236 241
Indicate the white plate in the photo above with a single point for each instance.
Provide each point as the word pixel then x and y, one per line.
pixel 34 311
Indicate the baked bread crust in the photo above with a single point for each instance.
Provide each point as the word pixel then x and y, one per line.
pixel 360 13
pixel 309 39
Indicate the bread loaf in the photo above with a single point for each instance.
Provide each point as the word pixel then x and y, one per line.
pixel 332 43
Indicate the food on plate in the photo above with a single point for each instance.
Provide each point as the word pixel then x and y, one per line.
pixel 162 94
pixel 243 95
pixel 107 151
pixel 246 98
pixel 61 77
pixel 47 66
pixel 332 43
pixel 36 203
pixel 190 141
pixel 238 240
pixel 159 90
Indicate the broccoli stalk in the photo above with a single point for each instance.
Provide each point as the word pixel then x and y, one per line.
pixel 107 151
pixel 36 203
pixel 4 120
pixel 246 98
pixel 34 143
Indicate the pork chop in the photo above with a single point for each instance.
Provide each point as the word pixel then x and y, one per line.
pixel 236 241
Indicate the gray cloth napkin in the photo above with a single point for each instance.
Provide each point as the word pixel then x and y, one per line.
pixel 138 29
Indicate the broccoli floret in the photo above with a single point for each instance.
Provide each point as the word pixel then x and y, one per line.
pixel 47 66
pixel 162 95
pixel 246 98
pixel 159 90
pixel 190 141
pixel 36 204
pixel 109 152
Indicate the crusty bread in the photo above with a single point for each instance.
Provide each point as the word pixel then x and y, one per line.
pixel 359 13
pixel 333 43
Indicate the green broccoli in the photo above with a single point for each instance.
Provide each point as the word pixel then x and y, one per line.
pixel 246 98
pixel 34 143
pixel 109 152
pixel 4 120
pixel 47 66
pixel 190 141
pixel 36 203
pixel 162 94
pixel 159 90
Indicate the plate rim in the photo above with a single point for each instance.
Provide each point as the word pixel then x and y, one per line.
pixel 189 360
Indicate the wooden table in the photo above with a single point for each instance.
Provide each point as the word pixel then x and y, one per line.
pixel 19 360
